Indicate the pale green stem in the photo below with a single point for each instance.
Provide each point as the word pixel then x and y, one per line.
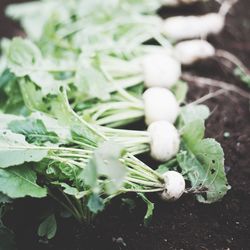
pixel 144 183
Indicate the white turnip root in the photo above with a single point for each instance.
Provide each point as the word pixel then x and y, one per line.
pixel 160 104
pixel 160 70
pixel 174 186
pixel 189 27
pixel 165 140
pixel 188 52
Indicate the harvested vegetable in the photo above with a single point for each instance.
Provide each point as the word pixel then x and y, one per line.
pixel 191 51
pixel 79 69
pixel 165 141
pixel 160 105
pixel 161 70
pixel 175 186
pixel 182 27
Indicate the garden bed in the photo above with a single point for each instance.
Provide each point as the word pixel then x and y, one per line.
pixel 184 224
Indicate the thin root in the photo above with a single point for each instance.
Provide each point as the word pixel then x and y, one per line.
pixel 209 96
pixel 233 59
pixel 216 83
pixel 226 6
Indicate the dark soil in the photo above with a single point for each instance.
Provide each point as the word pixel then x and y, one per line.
pixel 184 224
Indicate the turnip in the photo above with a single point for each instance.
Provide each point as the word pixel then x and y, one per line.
pixel 188 27
pixel 161 139
pixel 160 104
pixel 165 140
pixel 188 52
pixel 174 186
pixel 160 70
pixel 155 104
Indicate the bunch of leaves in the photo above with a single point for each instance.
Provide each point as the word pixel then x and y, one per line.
pixel 77 24
pixel 57 153
pixel 71 157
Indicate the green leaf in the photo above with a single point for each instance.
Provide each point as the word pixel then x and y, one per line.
pixel 32 97
pixel 84 135
pixel 180 91
pixel 193 132
pixel 191 113
pixel 72 191
pixel 95 203
pixel 61 109
pixel 11 100
pixel 244 77
pixel 46 82
pixel 202 160
pixel 4 198
pixel 48 227
pixel 33 16
pixel 34 131
pixel 90 80
pixel 6 77
pixel 23 57
pixel 106 163
pixel 136 90
pixel 20 181
pixel 203 163
pixel 150 209
pixel 61 130
pixel 169 165
pixel 5 119
pixel 90 174
pixel 14 150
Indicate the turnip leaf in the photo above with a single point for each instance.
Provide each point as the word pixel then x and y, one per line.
pixel 14 150
pixel 34 131
pixel 20 181
pixel 4 198
pixel 106 163
pixel 95 203
pixel 90 81
pixel 202 160
pixel 191 113
pixel 150 209
pixel 48 227
pixel 23 57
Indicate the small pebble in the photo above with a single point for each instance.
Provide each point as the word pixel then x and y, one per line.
pixel 119 240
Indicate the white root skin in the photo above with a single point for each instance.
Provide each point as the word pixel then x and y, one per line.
pixel 165 140
pixel 160 104
pixel 160 70
pixel 189 27
pixel 188 52
pixel 174 186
